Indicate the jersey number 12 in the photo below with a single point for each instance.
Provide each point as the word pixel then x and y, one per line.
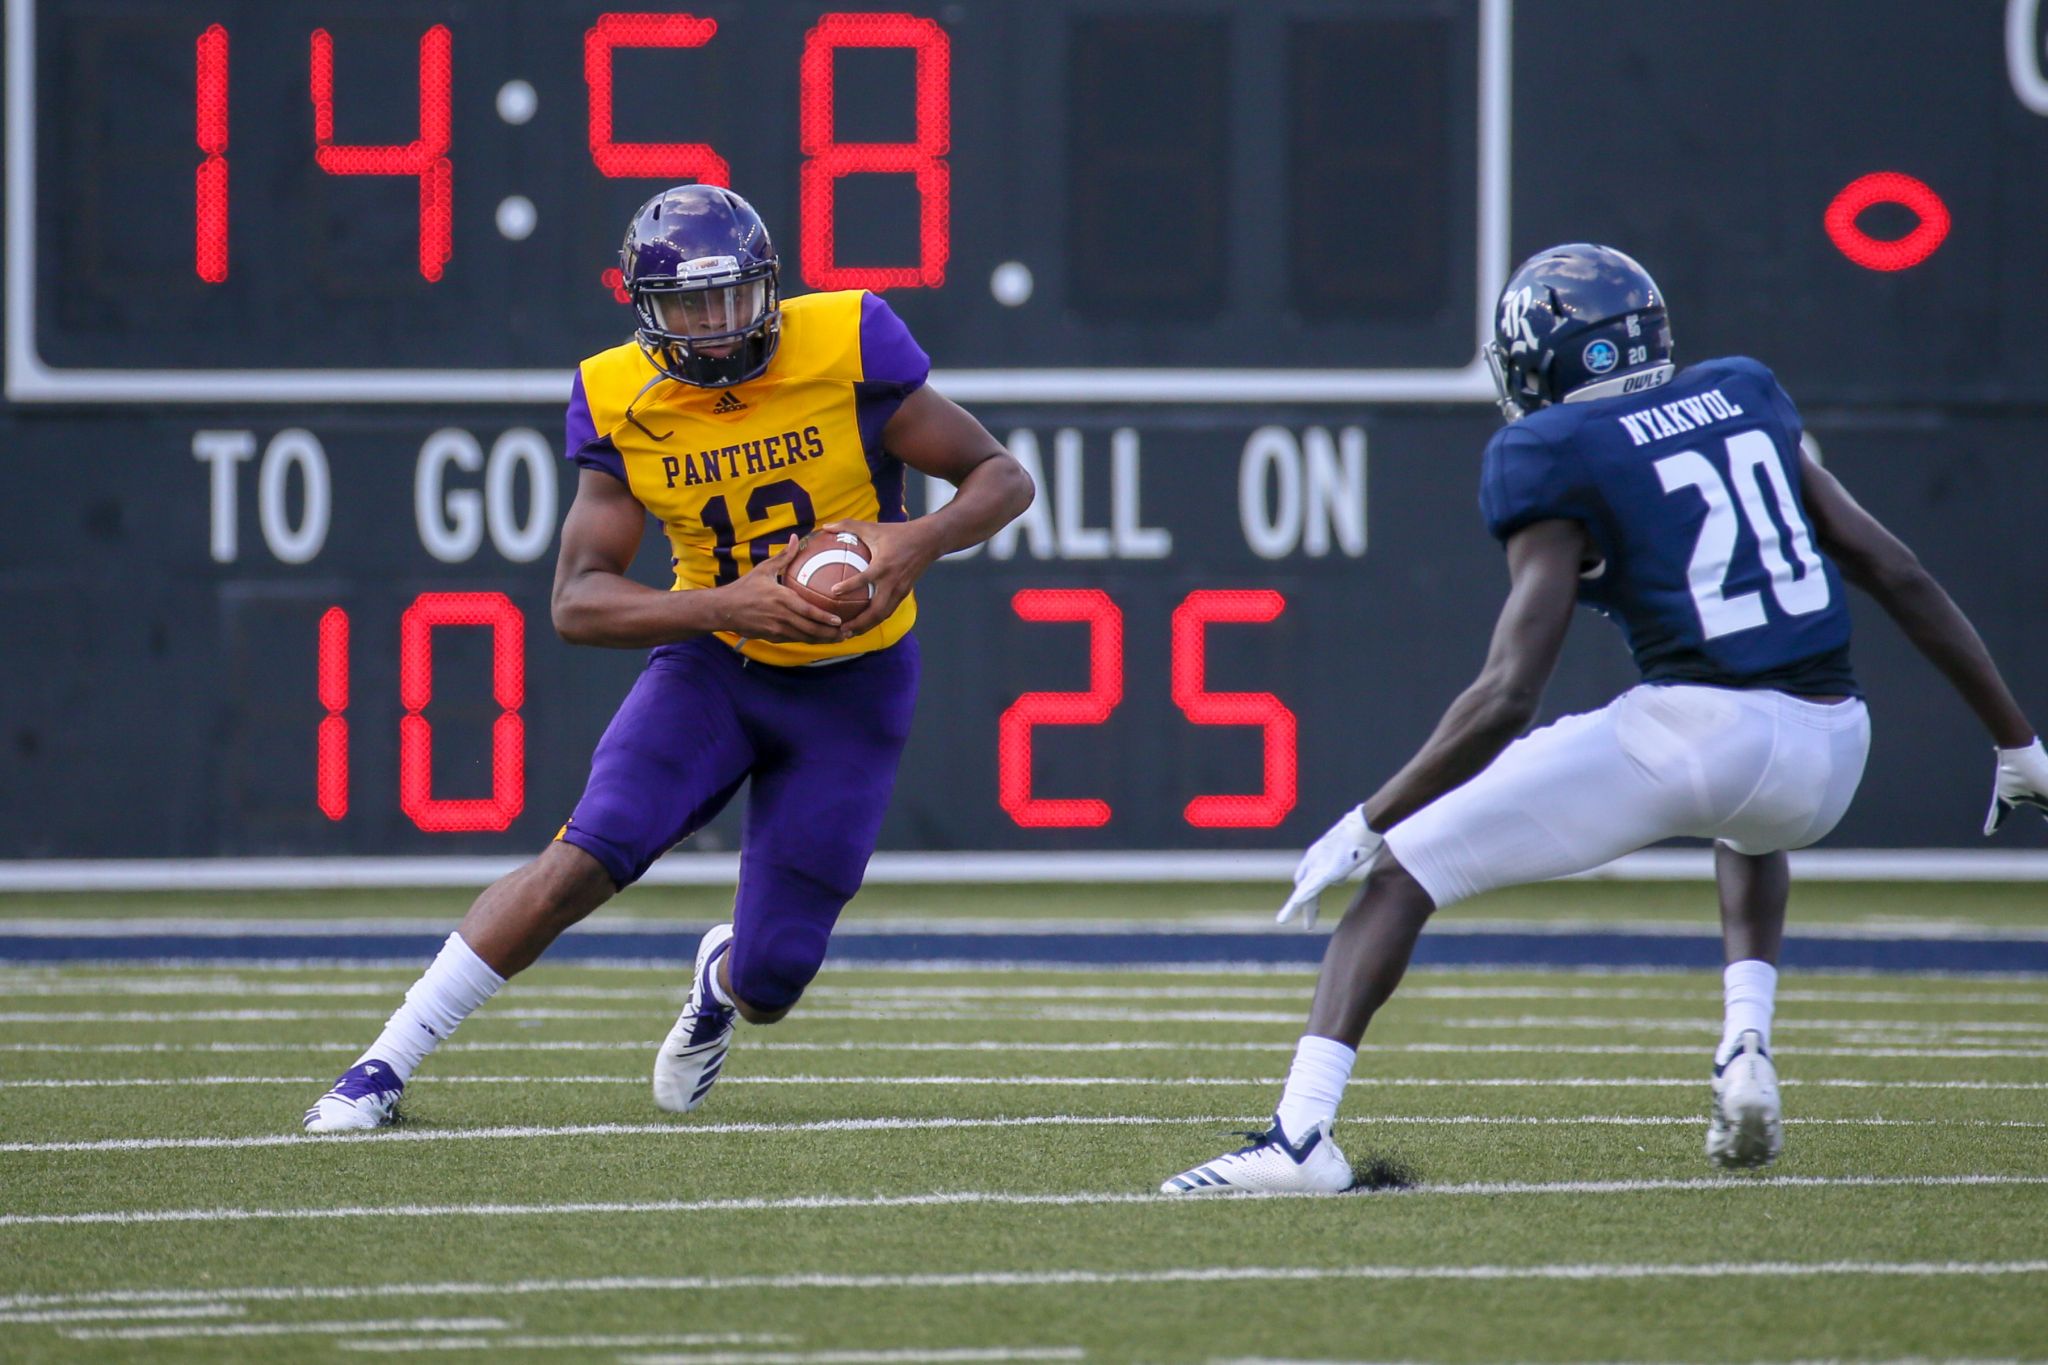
pixel 1750 454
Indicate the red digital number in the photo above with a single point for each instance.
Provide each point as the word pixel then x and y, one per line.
pixel 828 160
pixel 431 611
pixel 1105 690
pixel 210 128
pixel 1190 648
pixel 425 157
pixel 663 160
pixel 1279 758
pixel 331 782
pixel 1886 187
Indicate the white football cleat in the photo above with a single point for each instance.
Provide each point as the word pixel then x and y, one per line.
pixel 1271 1163
pixel 365 1097
pixel 694 1051
pixel 1747 1126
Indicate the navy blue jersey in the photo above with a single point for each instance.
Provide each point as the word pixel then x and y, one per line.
pixel 1692 496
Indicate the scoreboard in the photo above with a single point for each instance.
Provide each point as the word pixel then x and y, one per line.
pixel 422 201
pixel 293 291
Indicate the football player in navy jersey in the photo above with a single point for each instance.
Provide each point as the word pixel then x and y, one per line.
pixel 1677 502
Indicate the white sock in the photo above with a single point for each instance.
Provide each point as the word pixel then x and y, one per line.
pixel 451 989
pixel 718 990
pixel 1749 992
pixel 1315 1085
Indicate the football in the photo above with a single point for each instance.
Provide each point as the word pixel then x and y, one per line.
pixel 820 562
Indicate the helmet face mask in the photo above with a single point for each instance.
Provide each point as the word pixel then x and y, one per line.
pixel 1575 323
pixel 1513 385
pixel 702 274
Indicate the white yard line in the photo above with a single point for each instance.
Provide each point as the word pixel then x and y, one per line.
pixel 57 985
pixel 676 1129
pixel 580 1342
pixel 129 1082
pixel 466 1045
pixel 55 1315
pixel 219 986
pixel 932 1357
pixel 408 1345
pixel 1357 1082
pixel 689 1130
pixel 913 1012
pixel 897 1357
pixel 1221 969
pixel 1599 1021
pixel 1055 1278
pixel 250 1016
pixel 992 1198
pixel 1638 1360
pixel 284 1329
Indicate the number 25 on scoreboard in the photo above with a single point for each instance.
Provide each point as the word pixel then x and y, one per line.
pixel 1261 810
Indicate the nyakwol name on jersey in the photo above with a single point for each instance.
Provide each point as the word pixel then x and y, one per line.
pixel 1678 417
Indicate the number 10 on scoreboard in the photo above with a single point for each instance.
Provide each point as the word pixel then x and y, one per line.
pixel 431 611
pixel 497 613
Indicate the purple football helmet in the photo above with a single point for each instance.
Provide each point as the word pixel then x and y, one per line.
pixel 702 274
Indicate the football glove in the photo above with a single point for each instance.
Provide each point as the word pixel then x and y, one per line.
pixel 2022 780
pixel 1345 852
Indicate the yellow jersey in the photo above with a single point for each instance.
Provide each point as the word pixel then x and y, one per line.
pixel 732 472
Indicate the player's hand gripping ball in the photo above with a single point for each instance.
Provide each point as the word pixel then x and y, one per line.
pixel 820 562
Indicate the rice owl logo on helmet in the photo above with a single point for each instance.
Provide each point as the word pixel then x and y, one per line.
pixel 1567 319
pixel 1514 321
pixel 703 276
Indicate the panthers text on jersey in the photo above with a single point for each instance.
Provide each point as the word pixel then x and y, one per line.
pixel 733 472
pixel 1691 495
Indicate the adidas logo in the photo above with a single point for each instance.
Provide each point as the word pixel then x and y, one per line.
pixel 728 402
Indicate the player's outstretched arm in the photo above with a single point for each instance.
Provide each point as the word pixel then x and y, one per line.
pixel 1878 562
pixel 1543 571
pixel 595 603
pixel 936 436
pixel 1543 568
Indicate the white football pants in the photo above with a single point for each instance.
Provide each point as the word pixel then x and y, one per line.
pixel 1757 770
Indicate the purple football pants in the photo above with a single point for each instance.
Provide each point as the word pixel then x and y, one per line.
pixel 821 745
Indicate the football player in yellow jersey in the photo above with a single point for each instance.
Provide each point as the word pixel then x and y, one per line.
pixel 741 421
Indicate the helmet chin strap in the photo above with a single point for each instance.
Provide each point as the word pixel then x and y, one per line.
pixel 1616 385
pixel 659 378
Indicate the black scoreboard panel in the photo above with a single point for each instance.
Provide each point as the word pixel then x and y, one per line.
pixel 1215 630
pixel 238 618
pixel 308 185
pixel 1717 137
pixel 1120 184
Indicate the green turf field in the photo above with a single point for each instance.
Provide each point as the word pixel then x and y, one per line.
pixel 958 1165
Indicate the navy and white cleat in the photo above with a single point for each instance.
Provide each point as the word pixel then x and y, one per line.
pixel 1270 1164
pixel 694 1051
pixel 1746 1127
pixel 365 1097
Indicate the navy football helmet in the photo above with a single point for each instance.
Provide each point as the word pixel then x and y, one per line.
pixel 702 274
pixel 1577 322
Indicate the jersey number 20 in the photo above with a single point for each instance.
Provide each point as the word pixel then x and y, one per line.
pixel 1750 454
